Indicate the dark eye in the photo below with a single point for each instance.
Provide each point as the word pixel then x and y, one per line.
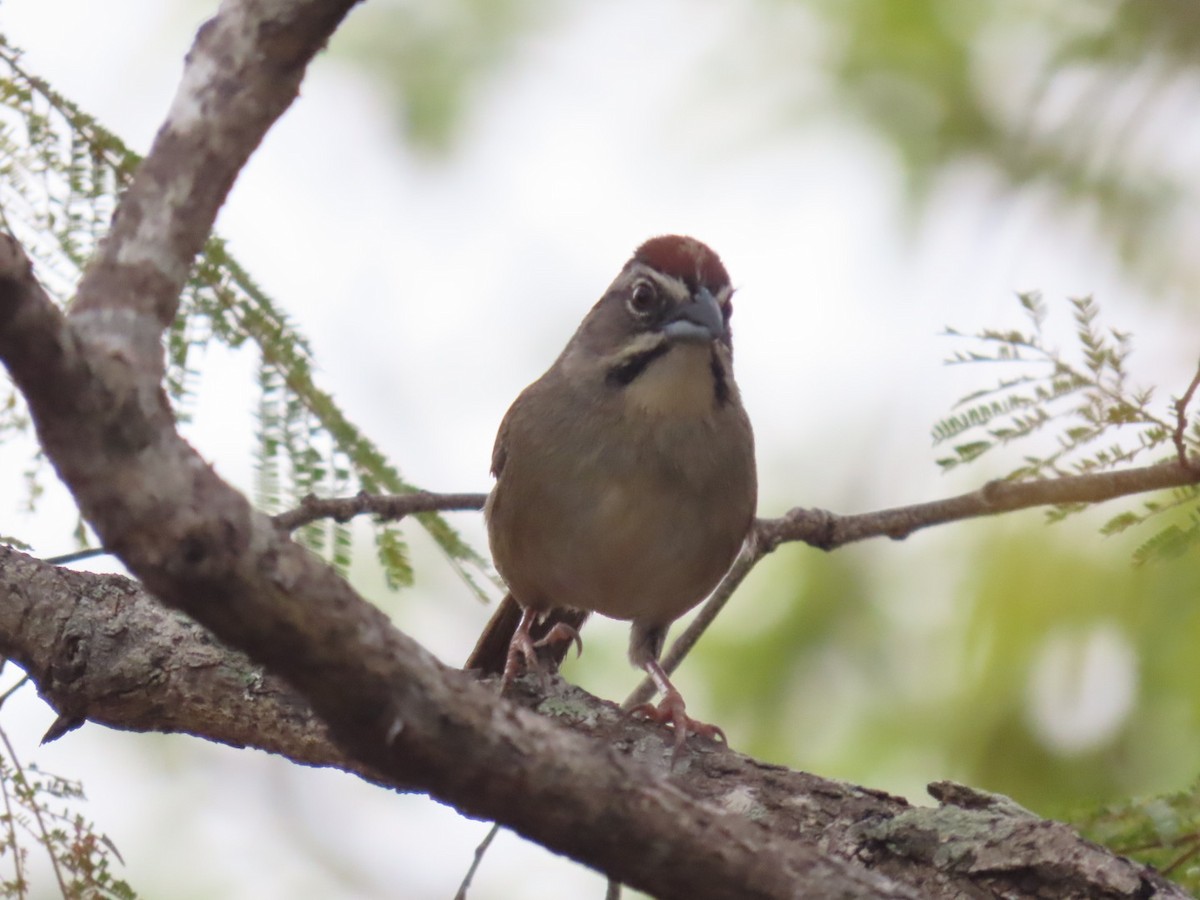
pixel 643 299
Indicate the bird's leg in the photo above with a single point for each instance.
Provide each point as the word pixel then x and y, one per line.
pixel 671 710
pixel 523 648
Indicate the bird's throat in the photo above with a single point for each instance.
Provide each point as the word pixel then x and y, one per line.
pixel 677 384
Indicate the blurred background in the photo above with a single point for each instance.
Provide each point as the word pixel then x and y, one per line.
pixel 460 180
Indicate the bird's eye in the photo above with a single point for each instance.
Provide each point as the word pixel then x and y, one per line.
pixel 643 299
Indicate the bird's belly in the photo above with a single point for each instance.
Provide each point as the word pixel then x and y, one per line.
pixel 632 551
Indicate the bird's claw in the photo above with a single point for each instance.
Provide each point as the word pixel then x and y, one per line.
pixel 522 651
pixel 559 633
pixel 672 711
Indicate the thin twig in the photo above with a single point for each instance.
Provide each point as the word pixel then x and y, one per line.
pixel 12 690
pixel 1181 406
pixel 77 556
pixel 10 826
pixel 828 531
pixel 386 507
pixel 36 809
pixel 479 852
pixel 754 550
pixel 1192 842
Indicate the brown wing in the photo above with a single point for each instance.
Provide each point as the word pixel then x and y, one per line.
pixel 491 650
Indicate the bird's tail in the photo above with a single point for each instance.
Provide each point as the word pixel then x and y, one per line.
pixel 491 650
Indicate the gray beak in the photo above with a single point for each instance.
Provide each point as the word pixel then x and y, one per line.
pixel 699 321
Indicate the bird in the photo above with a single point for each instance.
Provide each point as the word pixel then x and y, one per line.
pixel 625 475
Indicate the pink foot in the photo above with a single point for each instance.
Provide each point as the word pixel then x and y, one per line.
pixel 672 711
pixel 559 633
pixel 522 649
pixel 522 652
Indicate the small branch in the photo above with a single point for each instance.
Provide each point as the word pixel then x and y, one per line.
pixel 43 832
pixel 10 828
pixel 387 507
pixel 12 690
pixel 1192 842
pixel 1181 406
pixel 77 556
pixel 753 551
pixel 828 531
pixel 478 858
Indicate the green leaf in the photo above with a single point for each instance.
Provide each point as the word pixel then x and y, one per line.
pixel 63 172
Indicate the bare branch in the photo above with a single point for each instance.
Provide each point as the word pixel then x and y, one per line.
pixel 385 507
pixel 828 531
pixel 465 884
pixel 818 528
pixel 76 556
pixel 388 507
pixel 1181 421
pixel 750 556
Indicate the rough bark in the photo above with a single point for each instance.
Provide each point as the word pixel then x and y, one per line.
pixel 99 647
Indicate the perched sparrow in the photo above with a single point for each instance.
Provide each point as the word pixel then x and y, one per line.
pixel 625 480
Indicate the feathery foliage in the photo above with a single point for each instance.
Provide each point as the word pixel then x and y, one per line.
pixel 1082 406
pixel 1162 831
pixel 38 808
pixel 60 172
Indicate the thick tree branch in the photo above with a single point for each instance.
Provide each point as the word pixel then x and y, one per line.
pixel 99 646
pixel 242 72
pixel 94 392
